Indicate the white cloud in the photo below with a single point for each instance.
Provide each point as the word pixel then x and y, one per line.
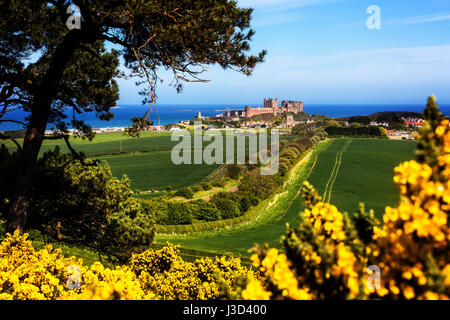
pixel 372 76
pixel 274 12
pixel 281 4
pixel 421 19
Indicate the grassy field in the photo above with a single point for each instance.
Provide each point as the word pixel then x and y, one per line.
pixel 155 170
pixel 365 173
pixel 145 160
pixel 351 171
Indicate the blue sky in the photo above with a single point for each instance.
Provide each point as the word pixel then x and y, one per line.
pixel 321 52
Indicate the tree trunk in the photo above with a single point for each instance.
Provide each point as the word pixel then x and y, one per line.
pixel 23 184
pixel 45 93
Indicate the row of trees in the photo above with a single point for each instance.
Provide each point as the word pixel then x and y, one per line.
pixel 357 131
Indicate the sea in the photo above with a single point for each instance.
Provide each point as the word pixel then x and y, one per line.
pixel 171 113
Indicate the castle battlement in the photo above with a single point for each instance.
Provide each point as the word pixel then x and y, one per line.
pixel 271 106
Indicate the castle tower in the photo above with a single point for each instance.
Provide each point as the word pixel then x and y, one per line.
pixel 248 111
pixel 270 103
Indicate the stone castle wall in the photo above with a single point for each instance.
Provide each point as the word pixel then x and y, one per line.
pixel 271 107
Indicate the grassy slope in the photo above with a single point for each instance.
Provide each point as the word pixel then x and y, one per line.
pixel 365 175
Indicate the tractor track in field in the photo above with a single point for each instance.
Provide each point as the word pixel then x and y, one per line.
pixel 335 172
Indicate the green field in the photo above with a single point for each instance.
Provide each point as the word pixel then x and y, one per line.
pixel 155 170
pixel 145 160
pixel 357 170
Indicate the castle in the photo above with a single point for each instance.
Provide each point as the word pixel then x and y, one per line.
pixel 271 106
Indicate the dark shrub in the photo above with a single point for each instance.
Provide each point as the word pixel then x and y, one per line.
pixel 185 193
pixel 202 210
pixel 228 208
pixel 178 213
pixel 235 170
pixel 258 185
pixel 86 205
pixel 245 204
pixel 206 186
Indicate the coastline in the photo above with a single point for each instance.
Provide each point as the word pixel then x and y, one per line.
pixel 171 114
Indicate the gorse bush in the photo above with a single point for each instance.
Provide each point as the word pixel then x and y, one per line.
pixel 26 274
pixel 412 246
pixel 165 273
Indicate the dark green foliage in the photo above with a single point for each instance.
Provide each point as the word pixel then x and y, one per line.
pixel 234 171
pixel 283 144
pixel 178 213
pixel 185 193
pixel 427 148
pixel 245 203
pixel 168 212
pixel 157 207
pixel 218 184
pixel 196 188
pixel 227 207
pixel 257 185
pixel 364 223
pixel 205 211
pixel 356 131
pixel 364 120
pixel 307 130
pixel 206 186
